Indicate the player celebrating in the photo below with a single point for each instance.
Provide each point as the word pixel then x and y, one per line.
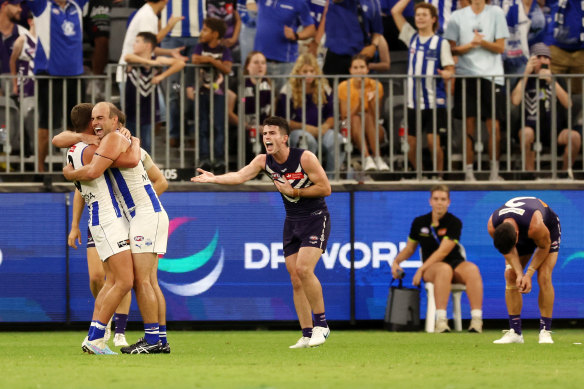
pixel 520 228
pixel 303 185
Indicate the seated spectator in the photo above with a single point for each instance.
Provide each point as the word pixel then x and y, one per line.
pixel 429 55
pixel 370 107
pixel 209 51
pixel 254 70
pixel 537 98
pixel 565 37
pixel 141 83
pixel 316 106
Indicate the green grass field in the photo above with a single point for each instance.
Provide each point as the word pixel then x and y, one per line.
pixel 261 359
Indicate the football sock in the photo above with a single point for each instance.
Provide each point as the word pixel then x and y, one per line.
pixel 441 314
pixel 121 322
pixel 91 328
pixel 320 320
pixel 307 332
pixel 476 313
pixel 98 331
pixel 162 332
pixel 151 332
pixel 515 323
pixel 545 323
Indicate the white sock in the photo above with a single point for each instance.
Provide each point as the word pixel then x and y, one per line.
pixel 476 313
pixel 494 166
pixel 468 167
pixel 440 314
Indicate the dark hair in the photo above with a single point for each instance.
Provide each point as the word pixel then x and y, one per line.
pixel 505 238
pixel 362 57
pixel 441 188
pixel 432 10
pixel 248 60
pixel 217 25
pixel 81 116
pixel 148 38
pixel 278 121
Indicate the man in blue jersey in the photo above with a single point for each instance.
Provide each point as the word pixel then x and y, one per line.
pixel 303 184
pixel 522 227
pixel 59 53
pixel 429 55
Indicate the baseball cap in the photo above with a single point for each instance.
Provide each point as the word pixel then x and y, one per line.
pixel 540 49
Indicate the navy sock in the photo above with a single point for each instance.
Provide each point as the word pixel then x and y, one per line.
pixel 515 323
pixel 98 331
pixel 162 332
pixel 151 333
pixel 91 329
pixel 121 322
pixel 307 332
pixel 545 323
pixel 320 320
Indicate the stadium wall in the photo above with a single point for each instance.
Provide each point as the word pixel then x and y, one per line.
pixel 225 263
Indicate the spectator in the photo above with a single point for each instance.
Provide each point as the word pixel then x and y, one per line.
pixel 367 141
pixel 311 114
pixel 444 259
pixel 254 68
pixel 248 14
pixel 565 38
pixel 477 36
pixel 278 33
pixel 381 62
pixel 429 56
pixel 184 36
pixel 141 83
pixel 444 8
pixel 226 10
pixel 22 70
pixel 537 21
pixel 209 51
pixel 516 52
pixel 59 53
pixel 10 13
pixel 537 101
pixel 350 26
pixel 97 23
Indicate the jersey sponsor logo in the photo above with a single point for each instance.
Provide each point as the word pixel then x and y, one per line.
pixel 123 243
pixel 88 197
pixel 294 176
pixel 72 148
pixel 441 232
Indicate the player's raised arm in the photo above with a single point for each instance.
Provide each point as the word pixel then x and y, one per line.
pixel 246 173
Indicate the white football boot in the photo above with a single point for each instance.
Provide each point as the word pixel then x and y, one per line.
pixel 319 335
pixel 302 343
pixel 545 336
pixel 510 336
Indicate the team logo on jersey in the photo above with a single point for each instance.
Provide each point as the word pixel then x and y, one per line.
pixel 188 268
pixel 425 231
pixel 68 28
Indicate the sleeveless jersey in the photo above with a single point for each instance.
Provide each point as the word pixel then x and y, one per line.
pixel 297 208
pixel 424 60
pixel 135 190
pixel 521 210
pixel 98 193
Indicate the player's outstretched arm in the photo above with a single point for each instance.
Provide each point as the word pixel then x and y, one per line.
pixel 69 138
pixel 246 173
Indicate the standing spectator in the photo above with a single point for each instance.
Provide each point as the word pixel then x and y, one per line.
pixel 22 70
pixel 278 33
pixel 226 10
pixel 317 108
pixel 59 53
pixel 373 95
pixel 142 81
pixel 254 71
pixel 429 56
pixel 565 37
pixel 248 14
pixel 10 12
pixel 350 26
pixel 477 36
pixel 537 21
pixel 516 52
pixel 97 23
pixel 538 100
pixel 210 51
pixel 444 8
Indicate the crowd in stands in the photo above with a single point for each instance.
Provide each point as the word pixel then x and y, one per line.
pixel 285 49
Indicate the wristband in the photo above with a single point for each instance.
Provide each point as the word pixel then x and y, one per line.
pixel 530 271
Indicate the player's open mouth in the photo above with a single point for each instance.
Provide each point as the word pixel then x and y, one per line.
pixel 98 130
pixel 269 144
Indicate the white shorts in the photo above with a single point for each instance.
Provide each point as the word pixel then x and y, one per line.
pixel 149 232
pixel 111 237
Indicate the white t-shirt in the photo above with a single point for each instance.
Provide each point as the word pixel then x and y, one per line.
pixel 145 20
pixel 492 24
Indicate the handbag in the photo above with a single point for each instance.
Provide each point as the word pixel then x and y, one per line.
pixel 402 312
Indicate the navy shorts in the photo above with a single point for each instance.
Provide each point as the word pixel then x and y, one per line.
pixel 90 242
pixel 528 247
pixel 312 231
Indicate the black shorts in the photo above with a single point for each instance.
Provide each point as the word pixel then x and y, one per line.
pixel 312 231
pixel 528 247
pixel 90 242
pixel 57 100
pixel 454 262
pixel 428 124
pixel 98 21
pixel 485 100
